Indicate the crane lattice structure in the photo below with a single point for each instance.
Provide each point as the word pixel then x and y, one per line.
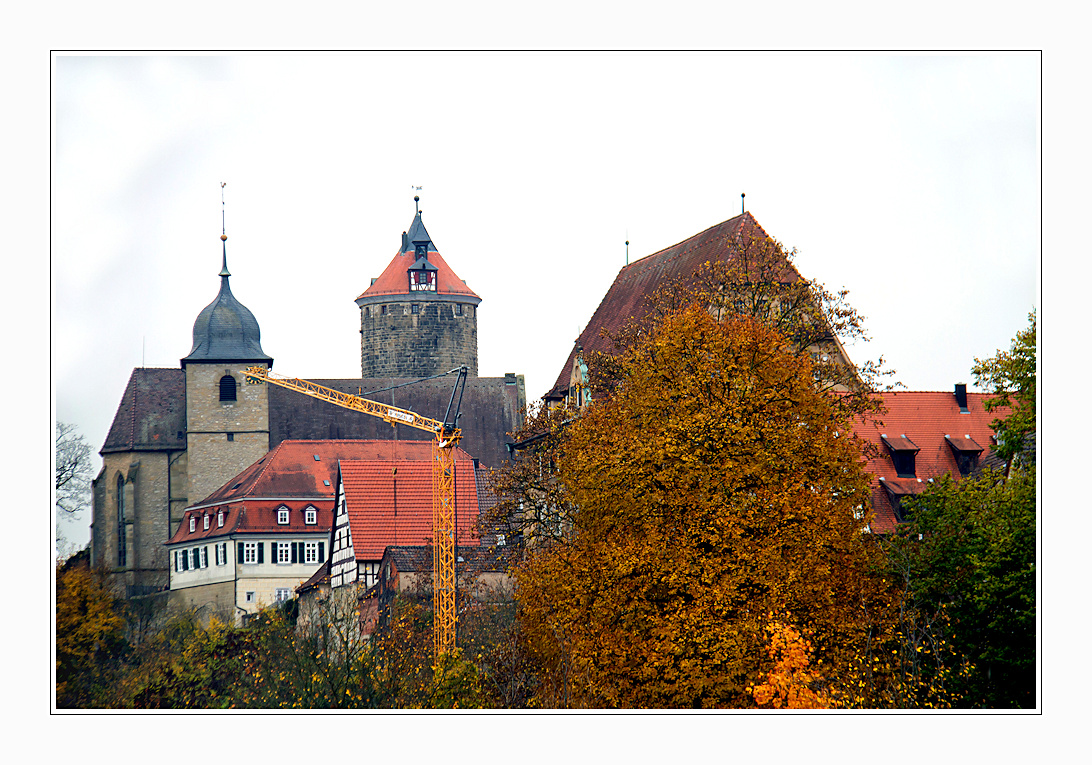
pixel 446 438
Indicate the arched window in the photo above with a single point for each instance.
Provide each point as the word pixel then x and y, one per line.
pixel 227 388
pixel 121 520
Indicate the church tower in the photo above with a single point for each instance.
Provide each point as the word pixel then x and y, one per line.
pixel 417 318
pixel 227 420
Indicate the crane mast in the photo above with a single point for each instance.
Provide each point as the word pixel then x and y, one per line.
pixel 445 438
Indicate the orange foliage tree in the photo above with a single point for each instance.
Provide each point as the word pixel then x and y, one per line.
pixel 713 485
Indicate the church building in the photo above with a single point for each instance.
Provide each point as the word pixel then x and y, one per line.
pixel 180 435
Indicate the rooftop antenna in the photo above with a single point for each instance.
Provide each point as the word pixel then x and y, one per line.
pixel 627 252
pixel 743 203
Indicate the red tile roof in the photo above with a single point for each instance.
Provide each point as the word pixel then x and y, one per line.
pixel 256 516
pixel 395 508
pixel 926 419
pixel 627 297
pixel 394 280
pixel 291 470
pixel 290 476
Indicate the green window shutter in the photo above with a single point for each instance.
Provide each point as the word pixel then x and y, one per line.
pixel 240 560
pixel 261 552
pixel 295 552
pixel 321 557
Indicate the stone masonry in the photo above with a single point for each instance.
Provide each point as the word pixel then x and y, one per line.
pixel 418 335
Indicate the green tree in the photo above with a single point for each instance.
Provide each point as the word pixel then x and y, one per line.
pixel 715 486
pixel 1010 377
pixel 968 557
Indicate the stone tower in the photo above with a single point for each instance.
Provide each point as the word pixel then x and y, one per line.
pixel 418 318
pixel 227 420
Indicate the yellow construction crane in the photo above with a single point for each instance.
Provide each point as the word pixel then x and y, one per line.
pixel 446 438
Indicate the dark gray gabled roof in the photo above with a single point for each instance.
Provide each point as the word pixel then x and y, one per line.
pixel 417 233
pixel 226 330
pixel 152 413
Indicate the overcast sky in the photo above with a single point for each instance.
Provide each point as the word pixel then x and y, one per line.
pixel 911 180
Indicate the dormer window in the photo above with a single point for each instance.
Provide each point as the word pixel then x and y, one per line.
pixel 310 516
pixel 205 521
pixel 193 523
pixel 282 516
pixel 220 519
pixel 422 274
pixel 903 451
pixel 966 451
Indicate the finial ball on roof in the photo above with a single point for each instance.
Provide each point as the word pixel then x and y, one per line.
pixel 416 198
pixel 223 237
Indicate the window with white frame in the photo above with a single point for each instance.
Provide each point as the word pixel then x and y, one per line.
pixel 205 556
pixel 310 552
pixel 284 552
pixel 282 516
pixel 193 524
pixel 177 563
pixel 217 553
pixel 310 516
pixel 283 593
pixel 205 518
pixel 250 596
pixel 195 558
pixel 220 519
pixel 250 552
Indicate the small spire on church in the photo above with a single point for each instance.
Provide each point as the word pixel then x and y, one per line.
pixel 223 230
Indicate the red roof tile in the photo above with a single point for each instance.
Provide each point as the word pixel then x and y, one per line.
pixel 395 508
pixel 394 280
pixel 930 421
pixel 256 516
pixel 291 470
pixel 290 476
pixel 627 297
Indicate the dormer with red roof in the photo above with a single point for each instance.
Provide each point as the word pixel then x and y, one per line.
pixel 417 318
pixel 922 436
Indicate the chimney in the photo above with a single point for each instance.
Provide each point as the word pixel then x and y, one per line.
pixel 961 397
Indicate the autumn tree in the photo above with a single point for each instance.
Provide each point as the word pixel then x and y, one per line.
pixel 90 636
pixel 715 484
pixel 756 278
pixel 532 507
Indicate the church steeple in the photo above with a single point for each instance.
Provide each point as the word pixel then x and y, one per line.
pixel 226 330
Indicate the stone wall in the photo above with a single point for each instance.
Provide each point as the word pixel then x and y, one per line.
pixel 223 437
pixel 147 522
pixel 397 342
pixel 207 601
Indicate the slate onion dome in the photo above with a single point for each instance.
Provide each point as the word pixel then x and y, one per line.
pixel 226 330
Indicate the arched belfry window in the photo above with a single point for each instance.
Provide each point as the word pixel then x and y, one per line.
pixel 121 520
pixel 227 388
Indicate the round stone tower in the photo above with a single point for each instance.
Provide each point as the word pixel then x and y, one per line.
pixel 227 420
pixel 418 318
